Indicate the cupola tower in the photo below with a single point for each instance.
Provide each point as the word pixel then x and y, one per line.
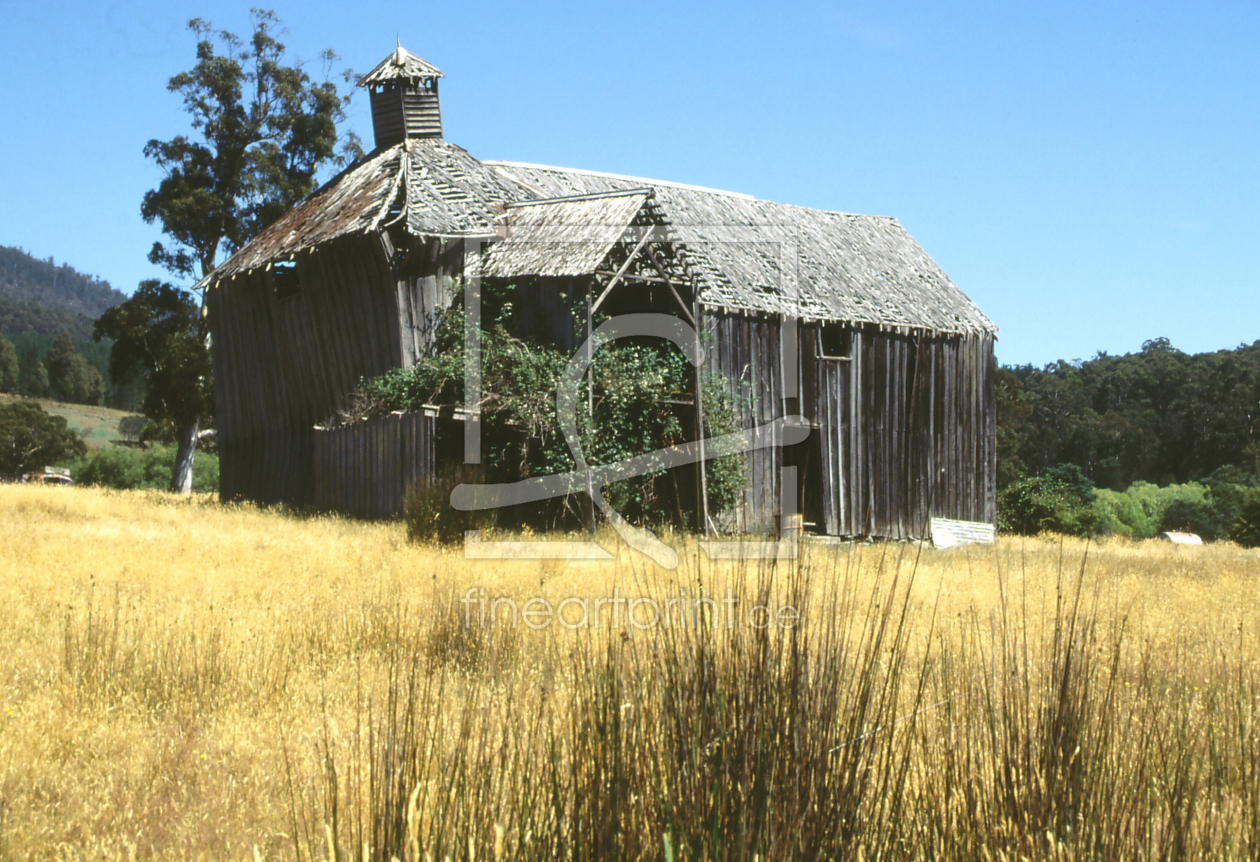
pixel 404 91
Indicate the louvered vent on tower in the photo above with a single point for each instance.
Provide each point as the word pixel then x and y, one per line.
pixel 404 92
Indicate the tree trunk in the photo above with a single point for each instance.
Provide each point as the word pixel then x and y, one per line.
pixel 181 476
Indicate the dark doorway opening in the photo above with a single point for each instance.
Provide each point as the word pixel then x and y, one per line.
pixel 806 457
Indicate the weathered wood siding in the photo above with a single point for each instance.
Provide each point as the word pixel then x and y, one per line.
pixel 286 359
pixel 428 280
pixel 746 350
pixel 400 110
pixel 917 432
pixel 904 427
pixel 366 469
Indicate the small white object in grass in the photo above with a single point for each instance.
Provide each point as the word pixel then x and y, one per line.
pixel 947 533
pixel 1179 538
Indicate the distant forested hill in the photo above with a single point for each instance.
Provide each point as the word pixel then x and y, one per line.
pixel 25 319
pixel 40 300
pixel 1160 416
pixel 27 279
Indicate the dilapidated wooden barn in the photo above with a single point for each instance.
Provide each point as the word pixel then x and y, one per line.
pixel 841 320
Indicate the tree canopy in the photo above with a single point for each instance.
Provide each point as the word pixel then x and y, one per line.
pixel 9 367
pixel 1169 439
pixel 1159 415
pixel 31 438
pixel 158 334
pixel 71 377
pixel 266 129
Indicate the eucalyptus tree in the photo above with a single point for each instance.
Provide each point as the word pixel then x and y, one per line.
pixel 262 128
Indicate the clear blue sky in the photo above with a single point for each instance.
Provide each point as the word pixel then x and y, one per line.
pixel 1085 172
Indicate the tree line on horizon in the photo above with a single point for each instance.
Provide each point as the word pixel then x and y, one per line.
pixel 1132 444
pixel 27 279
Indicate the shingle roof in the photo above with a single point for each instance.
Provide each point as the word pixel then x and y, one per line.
pixel 354 202
pixel 746 254
pixel 562 237
pixel 762 256
pixel 448 193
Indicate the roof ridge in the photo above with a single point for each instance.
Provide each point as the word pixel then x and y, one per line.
pixel 627 177
pixel 400 63
pixel 593 196
pixel 670 184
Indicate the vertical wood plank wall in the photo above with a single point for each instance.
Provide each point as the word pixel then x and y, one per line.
pixel 745 349
pixel 285 364
pixel 905 427
pixel 425 288
pixel 366 469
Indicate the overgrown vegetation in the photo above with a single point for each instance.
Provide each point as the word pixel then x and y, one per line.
pixel 428 512
pixel 641 400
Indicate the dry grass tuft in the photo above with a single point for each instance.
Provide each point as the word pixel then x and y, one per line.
pixel 186 680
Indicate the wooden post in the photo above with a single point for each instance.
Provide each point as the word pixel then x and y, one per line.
pixel 647 234
pixel 590 348
pixel 704 479
pixel 588 506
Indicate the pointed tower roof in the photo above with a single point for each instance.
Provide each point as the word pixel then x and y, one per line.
pixel 401 63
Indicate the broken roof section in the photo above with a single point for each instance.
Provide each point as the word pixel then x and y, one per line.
pixel 447 193
pixel 563 237
pixel 755 255
pixel 354 202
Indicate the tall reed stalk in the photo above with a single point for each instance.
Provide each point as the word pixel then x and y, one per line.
pixel 856 734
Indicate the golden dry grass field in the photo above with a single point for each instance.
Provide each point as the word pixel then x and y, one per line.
pixel 185 680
